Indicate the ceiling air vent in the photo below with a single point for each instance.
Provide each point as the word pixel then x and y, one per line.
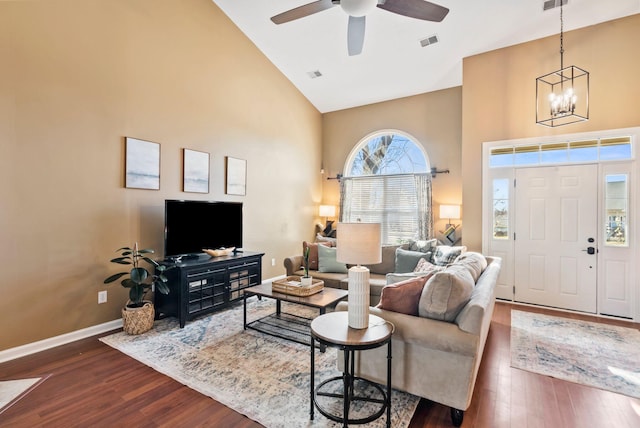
pixel 552 4
pixel 314 74
pixel 429 40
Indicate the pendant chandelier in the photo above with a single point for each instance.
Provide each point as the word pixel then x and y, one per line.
pixel 562 96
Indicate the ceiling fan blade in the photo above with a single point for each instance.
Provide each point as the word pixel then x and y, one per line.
pixel 355 34
pixel 302 11
pixel 419 9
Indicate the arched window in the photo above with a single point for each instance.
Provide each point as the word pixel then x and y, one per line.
pixel 387 181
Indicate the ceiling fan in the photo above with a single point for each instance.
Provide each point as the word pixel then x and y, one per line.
pixel 357 11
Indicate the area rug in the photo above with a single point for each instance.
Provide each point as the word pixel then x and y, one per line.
pixel 260 376
pixel 13 390
pixel 587 353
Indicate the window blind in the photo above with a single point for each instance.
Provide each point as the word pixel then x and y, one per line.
pixel 391 200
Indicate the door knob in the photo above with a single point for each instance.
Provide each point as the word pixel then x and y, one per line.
pixel 590 250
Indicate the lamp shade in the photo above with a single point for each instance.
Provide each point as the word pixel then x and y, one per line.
pixel 327 211
pixel 359 243
pixel 450 211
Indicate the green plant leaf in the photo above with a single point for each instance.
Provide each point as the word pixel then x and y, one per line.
pixel 123 248
pixel 150 261
pixel 122 260
pixel 146 251
pixel 136 294
pixel 114 277
pixel 128 283
pixel 163 278
pixel 162 288
pixel 139 274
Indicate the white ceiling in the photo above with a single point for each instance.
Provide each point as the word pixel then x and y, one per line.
pixel 393 64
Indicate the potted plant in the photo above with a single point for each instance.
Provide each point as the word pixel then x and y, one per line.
pixel 138 314
pixel 306 280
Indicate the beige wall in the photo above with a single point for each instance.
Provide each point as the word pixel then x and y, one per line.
pixel 499 96
pixel 433 119
pixel 77 76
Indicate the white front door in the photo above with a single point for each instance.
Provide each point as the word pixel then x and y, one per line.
pixel 556 233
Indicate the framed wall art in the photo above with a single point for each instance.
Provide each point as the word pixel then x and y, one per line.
pixel 236 176
pixel 195 171
pixel 142 164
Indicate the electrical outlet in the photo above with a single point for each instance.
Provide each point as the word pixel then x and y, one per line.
pixel 102 296
pixel 273 262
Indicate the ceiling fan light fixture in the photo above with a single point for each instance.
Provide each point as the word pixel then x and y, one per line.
pixel 358 8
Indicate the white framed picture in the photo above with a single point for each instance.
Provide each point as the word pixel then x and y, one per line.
pixel 142 164
pixel 195 171
pixel 236 176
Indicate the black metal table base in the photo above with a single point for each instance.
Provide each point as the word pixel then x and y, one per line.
pixel 282 325
pixel 349 393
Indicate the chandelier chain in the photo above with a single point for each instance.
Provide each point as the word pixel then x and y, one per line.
pixel 561 38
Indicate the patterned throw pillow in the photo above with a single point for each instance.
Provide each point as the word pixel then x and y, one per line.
pixel 423 246
pixel 424 266
pixel 445 254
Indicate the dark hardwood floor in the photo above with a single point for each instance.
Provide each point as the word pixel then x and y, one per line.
pixel 93 385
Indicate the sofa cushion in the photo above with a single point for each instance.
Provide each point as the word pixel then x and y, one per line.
pixel 476 263
pixel 446 293
pixel 313 252
pixel 327 260
pixel 388 262
pixel 445 254
pixel 406 260
pixel 403 296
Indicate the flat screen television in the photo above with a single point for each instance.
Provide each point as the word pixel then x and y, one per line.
pixel 191 226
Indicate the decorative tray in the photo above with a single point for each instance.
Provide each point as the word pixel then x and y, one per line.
pixel 291 285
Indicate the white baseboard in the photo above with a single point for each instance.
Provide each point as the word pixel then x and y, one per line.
pixel 32 348
pixel 52 342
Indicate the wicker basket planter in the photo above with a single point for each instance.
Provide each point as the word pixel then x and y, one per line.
pixel 138 320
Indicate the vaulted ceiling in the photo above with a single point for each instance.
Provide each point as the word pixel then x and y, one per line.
pixel 393 62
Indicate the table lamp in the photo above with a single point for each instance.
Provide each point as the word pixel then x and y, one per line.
pixel 359 243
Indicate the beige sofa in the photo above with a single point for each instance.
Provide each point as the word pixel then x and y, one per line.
pixel 435 359
pixel 377 273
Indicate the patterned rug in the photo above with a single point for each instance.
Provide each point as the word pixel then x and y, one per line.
pixel 13 390
pixel 260 376
pixel 587 353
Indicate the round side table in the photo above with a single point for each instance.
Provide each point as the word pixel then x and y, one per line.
pixel 333 330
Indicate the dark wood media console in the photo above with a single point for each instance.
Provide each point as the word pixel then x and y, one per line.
pixel 203 285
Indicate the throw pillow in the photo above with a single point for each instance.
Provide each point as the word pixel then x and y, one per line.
pixel 476 263
pixel 445 254
pixel 313 252
pixel 388 262
pixel 424 266
pixel 403 297
pixel 426 246
pixel 327 260
pixel 446 293
pixel 320 238
pixel 406 260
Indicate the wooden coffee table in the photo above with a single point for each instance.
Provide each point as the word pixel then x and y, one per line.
pixel 285 325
